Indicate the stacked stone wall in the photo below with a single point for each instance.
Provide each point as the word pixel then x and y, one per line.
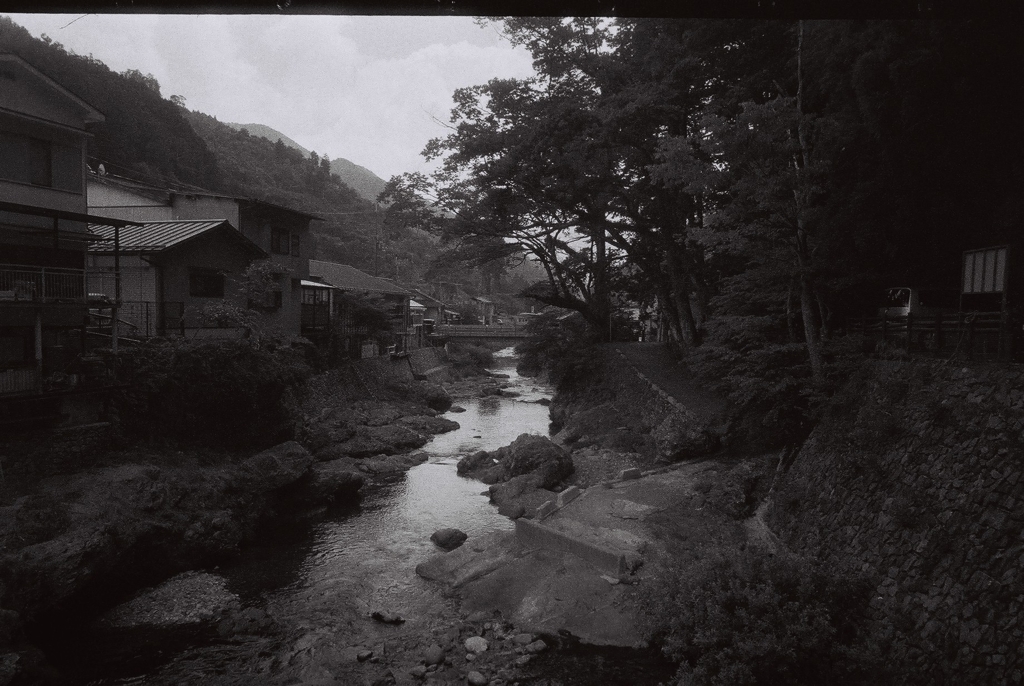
pixel 916 478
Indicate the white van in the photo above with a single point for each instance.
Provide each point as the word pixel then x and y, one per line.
pixel 901 301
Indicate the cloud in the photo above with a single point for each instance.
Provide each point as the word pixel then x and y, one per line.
pixel 368 89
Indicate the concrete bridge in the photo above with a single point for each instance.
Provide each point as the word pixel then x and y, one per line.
pixel 498 332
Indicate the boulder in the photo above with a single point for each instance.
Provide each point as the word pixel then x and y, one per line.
pixel 279 466
pixel 475 678
pixel 448 539
pixel 476 462
pixel 537 455
pixel 682 436
pixel 187 599
pixel 435 396
pixel 425 424
pixel 377 440
pixel 434 655
pixel 476 644
pixel 332 481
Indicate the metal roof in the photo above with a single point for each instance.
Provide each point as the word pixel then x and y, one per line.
pixel 158 236
pixel 351 279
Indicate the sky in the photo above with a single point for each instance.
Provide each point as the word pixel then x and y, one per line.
pixel 371 89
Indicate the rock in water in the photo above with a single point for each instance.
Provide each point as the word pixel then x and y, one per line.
pixel 387 617
pixel 189 598
pixel 476 679
pixel 448 539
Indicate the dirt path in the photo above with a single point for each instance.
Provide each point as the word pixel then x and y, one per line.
pixel 657 364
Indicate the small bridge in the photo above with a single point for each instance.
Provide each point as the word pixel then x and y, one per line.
pixel 493 332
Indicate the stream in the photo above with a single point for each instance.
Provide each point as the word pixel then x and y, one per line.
pixel 326 578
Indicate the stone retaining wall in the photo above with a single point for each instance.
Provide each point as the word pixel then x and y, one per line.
pixel 916 478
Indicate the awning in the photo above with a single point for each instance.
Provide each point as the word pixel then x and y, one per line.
pixel 37 211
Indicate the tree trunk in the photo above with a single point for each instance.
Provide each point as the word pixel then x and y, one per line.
pixel 679 290
pixel 803 254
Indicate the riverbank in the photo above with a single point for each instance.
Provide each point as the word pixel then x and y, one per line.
pixel 84 538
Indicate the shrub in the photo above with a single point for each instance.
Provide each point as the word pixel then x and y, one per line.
pixel 565 348
pixel 469 359
pixel 747 618
pixel 226 392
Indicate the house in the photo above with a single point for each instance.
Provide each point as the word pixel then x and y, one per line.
pixel 485 310
pixel 433 309
pixel 43 238
pixel 172 273
pixel 281 232
pixel 351 290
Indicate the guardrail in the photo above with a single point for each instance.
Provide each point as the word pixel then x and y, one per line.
pixel 481 331
pixel 973 334
pixel 41 284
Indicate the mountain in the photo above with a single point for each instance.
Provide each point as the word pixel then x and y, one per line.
pixel 270 134
pixel 362 180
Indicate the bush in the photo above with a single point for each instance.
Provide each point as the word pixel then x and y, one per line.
pixel 565 348
pixel 224 392
pixel 469 359
pixel 745 618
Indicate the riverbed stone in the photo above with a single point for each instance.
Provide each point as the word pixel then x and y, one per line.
pixel 522 639
pixel 433 655
pixel 476 644
pixel 331 481
pixel 537 646
pixel 279 466
pixel 448 538
pixel 475 678
pixel 186 599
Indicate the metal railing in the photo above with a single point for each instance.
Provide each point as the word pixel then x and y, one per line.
pixel 140 319
pixel 481 331
pixel 41 284
pixel 971 334
pixel 19 381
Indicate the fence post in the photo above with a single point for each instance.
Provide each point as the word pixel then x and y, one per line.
pixel 970 338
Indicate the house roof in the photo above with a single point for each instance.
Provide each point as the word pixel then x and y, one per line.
pixel 90 114
pixel 349 278
pixel 166 194
pixel 159 236
pixel 427 300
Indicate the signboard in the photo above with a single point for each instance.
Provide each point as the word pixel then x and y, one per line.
pixel 985 270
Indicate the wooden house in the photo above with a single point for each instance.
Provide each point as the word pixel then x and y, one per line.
pixel 175 277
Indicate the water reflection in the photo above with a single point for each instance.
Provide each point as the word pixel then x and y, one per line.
pixel 375 551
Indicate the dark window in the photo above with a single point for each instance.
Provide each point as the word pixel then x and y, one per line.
pixel 67 168
pixel 276 299
pixel 40 162
pixel 279 241
pixel 205 283
pixel 27 160
pixel 295 245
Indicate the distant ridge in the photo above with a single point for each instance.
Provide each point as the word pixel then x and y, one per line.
pixel 363 181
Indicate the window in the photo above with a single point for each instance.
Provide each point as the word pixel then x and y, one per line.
pixel 40 162
pixel 280 241
pixel 26 160
pixel 205 283
pixel 295 245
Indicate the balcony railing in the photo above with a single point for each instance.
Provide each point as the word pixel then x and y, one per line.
pixel 41 284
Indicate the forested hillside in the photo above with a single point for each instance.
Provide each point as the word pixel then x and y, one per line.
pixel 143 134
pixel 359 178
pixel 158 140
